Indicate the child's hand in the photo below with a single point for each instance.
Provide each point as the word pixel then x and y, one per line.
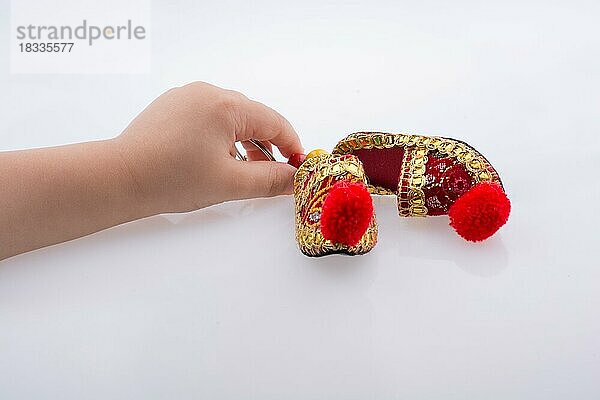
pixel 180 152
pixel 177 155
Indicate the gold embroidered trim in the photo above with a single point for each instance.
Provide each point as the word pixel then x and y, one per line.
pixel 309 197
pixel 416 196
pixel 412 202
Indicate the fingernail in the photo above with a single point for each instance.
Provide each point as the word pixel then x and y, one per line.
pixel 296 159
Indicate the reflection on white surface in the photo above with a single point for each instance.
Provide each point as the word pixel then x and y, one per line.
pixel 220 303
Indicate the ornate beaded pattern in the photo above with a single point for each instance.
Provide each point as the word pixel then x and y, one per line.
pixel 312 182
pixel 411 196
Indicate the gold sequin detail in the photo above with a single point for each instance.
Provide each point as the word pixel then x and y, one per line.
pixel 411 200
pixel 312 182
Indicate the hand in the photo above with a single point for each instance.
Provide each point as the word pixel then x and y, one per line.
pixel 180 152
pixel 177 155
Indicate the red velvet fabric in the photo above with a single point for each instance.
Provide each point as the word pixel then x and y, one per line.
pixel 445 178
pixel 382 166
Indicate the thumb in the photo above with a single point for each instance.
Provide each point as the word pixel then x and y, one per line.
pixel 250 179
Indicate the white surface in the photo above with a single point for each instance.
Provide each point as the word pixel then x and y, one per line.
pixel 219 304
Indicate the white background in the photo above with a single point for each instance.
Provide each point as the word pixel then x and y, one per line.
pixel 220 304
pixel 116 55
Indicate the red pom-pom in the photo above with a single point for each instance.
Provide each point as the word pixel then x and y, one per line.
pixel 480 212
pixel 347 213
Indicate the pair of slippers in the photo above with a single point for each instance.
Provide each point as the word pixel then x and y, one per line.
pixel 429 176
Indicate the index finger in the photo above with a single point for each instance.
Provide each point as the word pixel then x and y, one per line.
pixel 257 121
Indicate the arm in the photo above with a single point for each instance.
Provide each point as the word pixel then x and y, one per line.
pixel 176 156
